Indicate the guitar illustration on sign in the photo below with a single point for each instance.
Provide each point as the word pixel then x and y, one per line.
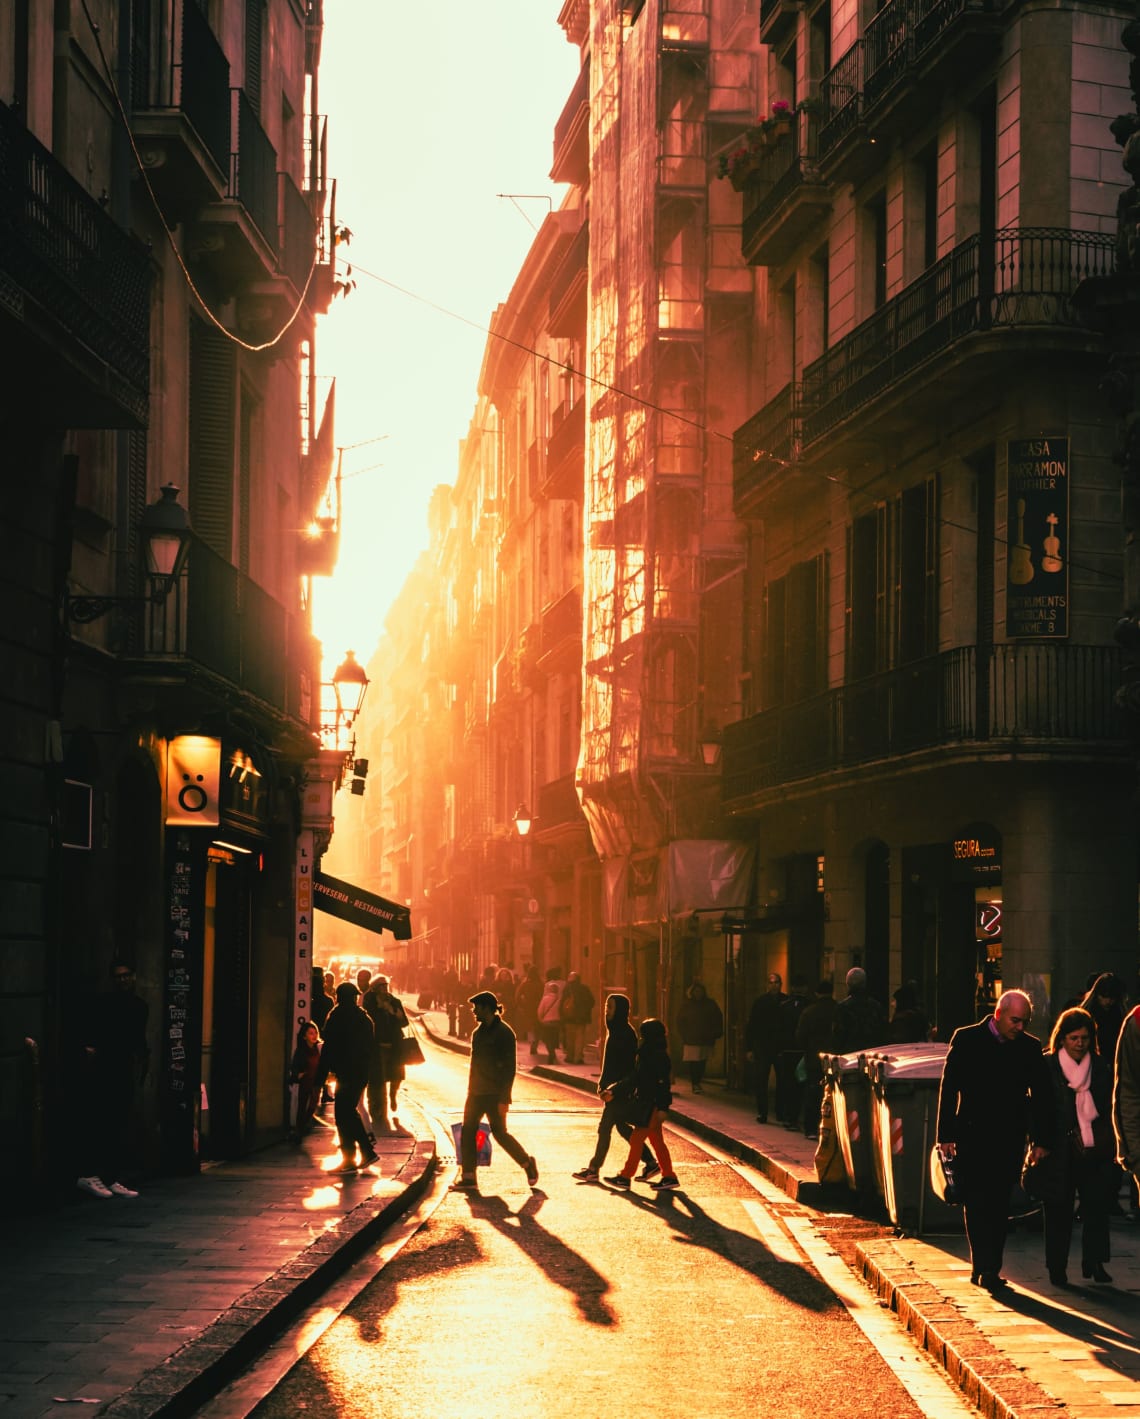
pixel 1051 561
pixel 1020 562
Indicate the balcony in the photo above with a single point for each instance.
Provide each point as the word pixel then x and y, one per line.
pixel 298 236
pixel 778 19
pixel 685 28
pixel 566 453
pixel 181 113
pixel 567 316
pixel 238 238
pixel 562 631
pixel 1046 697
pixel 74 294
pixel 912 46
pixel 558 808
pixel 764 447
pixel 219 621
pixel 682 164
pixel 843 140
pixel 786 197
pixel 572 134
pixel 1021 284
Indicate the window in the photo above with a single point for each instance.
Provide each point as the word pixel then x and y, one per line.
pixel 794 650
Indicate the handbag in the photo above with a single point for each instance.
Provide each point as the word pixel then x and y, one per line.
pixel 945 1181
pixel 482 1143
pixel 410 1050
pixel 1040 1181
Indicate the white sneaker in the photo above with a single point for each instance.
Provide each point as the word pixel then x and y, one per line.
pixel 119 1189
pixel 95 1186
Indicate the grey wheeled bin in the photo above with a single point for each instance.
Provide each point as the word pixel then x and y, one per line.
pixel 850 1114
pixel 905 1095
pixel 880 1143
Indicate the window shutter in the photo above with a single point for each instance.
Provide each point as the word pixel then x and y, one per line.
pixel 213 396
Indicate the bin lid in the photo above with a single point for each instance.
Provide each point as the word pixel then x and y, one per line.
pixel 913 1068
pixel 845 1063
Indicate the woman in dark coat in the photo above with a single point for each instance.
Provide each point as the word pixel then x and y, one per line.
pixel 1105 1003
pixel 1082 1162
pixel 648 1094
pixel 303 1072
pixel 700 1024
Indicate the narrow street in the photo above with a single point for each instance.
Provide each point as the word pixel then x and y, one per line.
pixel 576 1297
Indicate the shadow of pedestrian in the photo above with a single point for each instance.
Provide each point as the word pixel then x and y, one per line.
pixel 562 1264
pixel 1095 1331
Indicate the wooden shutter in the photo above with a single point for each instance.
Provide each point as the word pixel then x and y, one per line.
pixel 252 86
pixel 213 397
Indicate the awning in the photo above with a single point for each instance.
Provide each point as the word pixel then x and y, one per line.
pixel 362 908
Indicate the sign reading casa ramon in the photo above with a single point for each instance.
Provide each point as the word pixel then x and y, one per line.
pixel 1037 542
pixel 354 904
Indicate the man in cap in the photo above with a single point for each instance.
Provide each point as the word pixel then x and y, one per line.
pixel 489 1086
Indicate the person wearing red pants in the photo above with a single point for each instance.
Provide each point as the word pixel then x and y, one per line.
pixel 649 1092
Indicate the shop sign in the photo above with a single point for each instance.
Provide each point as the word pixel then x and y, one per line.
pixel 181 1043
pixel 193 776
pixel 1037 540
pixel 303 931
pixel 975 855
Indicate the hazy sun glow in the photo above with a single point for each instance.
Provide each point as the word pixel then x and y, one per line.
pixel 420 198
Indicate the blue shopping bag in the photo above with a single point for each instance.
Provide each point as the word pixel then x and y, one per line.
pixel 482 1142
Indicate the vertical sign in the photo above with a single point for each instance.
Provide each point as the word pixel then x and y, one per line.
pixel 193 775
pixel 182 1022
pixel 1037 550
pixel 303 931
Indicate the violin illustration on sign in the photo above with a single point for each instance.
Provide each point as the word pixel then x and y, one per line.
pixel 1020 562
pixel 1051 561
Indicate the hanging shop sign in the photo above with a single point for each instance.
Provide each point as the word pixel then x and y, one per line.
pixel 1037 542
pixel 193 776
pixel 303 930
pixel 354 904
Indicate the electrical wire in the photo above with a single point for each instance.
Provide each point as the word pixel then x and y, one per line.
pixel 187 277
pixel 1116 578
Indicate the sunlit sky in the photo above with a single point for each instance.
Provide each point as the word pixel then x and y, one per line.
pixel 433 110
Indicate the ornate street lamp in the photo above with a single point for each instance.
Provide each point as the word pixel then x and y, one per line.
pixel 165 532
pixel 350 684
pixel 522 820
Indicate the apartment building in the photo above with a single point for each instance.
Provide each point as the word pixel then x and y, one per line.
pixel 930 757
pixel 167 247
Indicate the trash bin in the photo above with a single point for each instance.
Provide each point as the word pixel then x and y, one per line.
pixel 905 1103
pixel 850 1107
pixel 880 1144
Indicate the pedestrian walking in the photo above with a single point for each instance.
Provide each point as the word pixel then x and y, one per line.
pixel 762 1040
pixel 303 1076
pixel 386 1066
pixel 619 1054
pixel 1104 1001
pixel 549 1022
pixel 347 1054
pixel 490 1083
pixel 995 1091
pixel 528 993
pixel 647 1092
pixel 814 1035
pixel 321 1003
pixel 860 1021
pixel 577 1010
pixel 1082 1162
pixel 909 1024
pixel 114 1058
pixel 700 1024
pixel 789 1089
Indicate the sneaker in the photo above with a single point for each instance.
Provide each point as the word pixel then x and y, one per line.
pixel 620 1181
pixel 649 1171
pixel 95 1186
pixel 119 1189
pixel 586 1175
pixel 369 1158
pixel 532 1172
pixel 669 1184
pixel 348 1166
pixel 467 1183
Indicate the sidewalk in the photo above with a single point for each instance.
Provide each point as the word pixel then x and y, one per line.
pixel 147 1305
pixel 1034 1351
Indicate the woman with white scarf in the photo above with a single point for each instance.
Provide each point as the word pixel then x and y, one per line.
pixel 1082 1163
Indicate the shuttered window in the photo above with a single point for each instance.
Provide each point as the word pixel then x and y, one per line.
pixel 213 397
pixel 253 32
pixel 794 652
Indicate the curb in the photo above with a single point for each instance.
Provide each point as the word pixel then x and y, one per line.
pixel 204 1365
pixel 993 1384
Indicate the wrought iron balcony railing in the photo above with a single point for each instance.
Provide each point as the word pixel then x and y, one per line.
pixel 298 244
pixel 62 253
pixel 841 96
pixel 1050 695
pixel 1025 278
pixel 767 443
pixel 253 168
pixel 219 619
pixel 194 78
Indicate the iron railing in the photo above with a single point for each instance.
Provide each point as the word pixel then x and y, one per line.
pixel 558 804
pixel 579 98
pixel 562 621
pixel 888 42
pixel 219 619
pixel 253 168
pixel 195 78
pixel 567 434
pixel 779 173
pixel 572 267
pixel 768 442
pixel 1026 277
pixel 841 97
pixel 59 248
pixel 1049 695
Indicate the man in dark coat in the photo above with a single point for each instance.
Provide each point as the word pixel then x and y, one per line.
pixel 813 1035
pixel 762 1042
pixel 860 1021
pixel 618 1055
pixel 995 1091
pixel 347 1053
pixel 115 1059
pixel 788 1087
pixel 489 1086
pixel 577 1009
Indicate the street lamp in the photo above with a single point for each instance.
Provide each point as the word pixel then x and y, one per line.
pixel 712 743
pixel 522 820
pixel 349 685
pixel 165 531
